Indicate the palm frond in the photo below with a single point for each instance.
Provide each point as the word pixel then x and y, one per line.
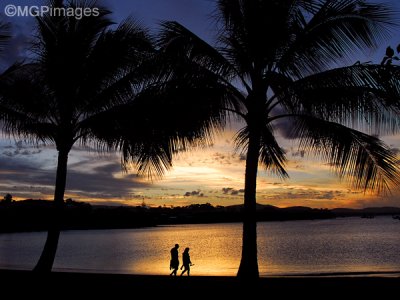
pixel 187 58
pixel 63 44
pixel 158 122
pixel 271 155
pixel 337 30
pixel 115 69
pixel 363 160
pixel 243 24
pixel 365 96
pixel 176 39
pixel 24 104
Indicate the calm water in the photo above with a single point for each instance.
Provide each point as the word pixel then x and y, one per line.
pixel 294 247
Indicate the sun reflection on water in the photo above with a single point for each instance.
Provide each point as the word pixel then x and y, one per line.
pixel 284 248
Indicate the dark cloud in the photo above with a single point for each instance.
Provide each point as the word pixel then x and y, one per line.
pixel 28 176
pixel 227 190
pixel 285 126
pixel 232 191
pixel 102 183
pixel 223 158
pixel 20 149
pixel 300 153
pixel 309 194
pixel 197 193
pixel 327 195
pixel 299 167
pixel 31 171
pixel 25 177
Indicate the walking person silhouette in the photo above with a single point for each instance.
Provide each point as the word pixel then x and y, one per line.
pixel 174 262
pixel 186 262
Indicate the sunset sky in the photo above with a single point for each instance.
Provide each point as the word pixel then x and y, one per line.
pixel 214 174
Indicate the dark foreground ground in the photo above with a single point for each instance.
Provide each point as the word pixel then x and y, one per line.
pixel 62 285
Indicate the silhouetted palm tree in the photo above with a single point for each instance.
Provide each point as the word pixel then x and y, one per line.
pixel 277 63
pixel 93 84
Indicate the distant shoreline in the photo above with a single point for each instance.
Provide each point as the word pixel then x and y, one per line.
pixel 36 215
pixel 27 230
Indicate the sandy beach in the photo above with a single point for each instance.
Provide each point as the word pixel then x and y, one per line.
pixel 120 285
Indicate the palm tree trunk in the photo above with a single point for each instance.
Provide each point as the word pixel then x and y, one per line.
pixel 48 255
pixel 248 269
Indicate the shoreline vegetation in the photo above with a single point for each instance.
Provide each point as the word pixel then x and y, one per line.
pixel 36 215
pixel 123 284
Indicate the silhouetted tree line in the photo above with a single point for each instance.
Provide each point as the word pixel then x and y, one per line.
pixel 36 215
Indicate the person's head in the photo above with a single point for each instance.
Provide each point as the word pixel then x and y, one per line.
pixel 176 246
pixel 186 249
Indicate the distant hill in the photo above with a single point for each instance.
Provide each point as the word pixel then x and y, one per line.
pixel 36 215
pixel 343 212
pixel 386 210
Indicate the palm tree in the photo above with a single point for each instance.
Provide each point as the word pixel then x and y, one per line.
pixel 93 84
pixel 277 64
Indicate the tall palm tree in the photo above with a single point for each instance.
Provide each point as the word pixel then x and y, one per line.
pixel 93 84
pixel 277 61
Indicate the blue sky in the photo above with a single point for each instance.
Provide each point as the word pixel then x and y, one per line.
pixel 214 175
